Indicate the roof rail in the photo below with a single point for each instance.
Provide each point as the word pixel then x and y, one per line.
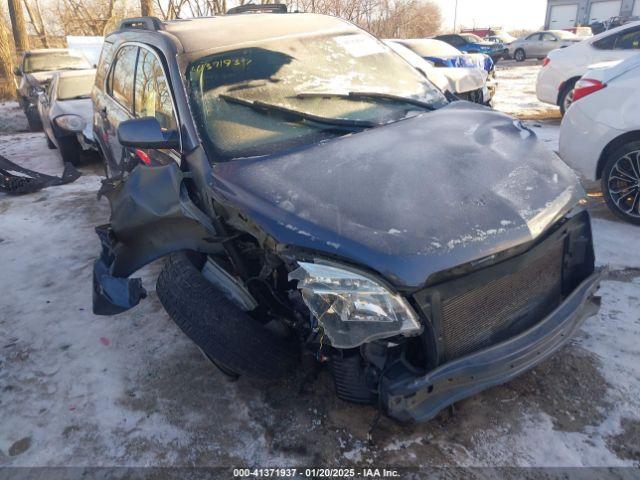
pixel 141 23
pixel 263 8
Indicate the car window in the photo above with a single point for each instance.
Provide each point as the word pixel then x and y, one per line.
pixel 52 61
pixel 106 56
pixel 629 40
pixel 535 36
pixel 75 87
pixel 121 80
pixel 152 94
pixel 455 40
pixel 547 37
pixel 606 43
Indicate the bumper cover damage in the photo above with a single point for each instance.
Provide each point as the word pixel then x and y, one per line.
pixel 421 398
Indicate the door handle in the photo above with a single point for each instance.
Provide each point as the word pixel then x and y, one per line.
pixel 103 112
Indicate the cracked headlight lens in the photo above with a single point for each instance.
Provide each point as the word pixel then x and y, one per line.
pixel 73 123
pixel 352 308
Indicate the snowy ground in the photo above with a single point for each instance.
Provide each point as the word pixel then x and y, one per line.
pixel 78 389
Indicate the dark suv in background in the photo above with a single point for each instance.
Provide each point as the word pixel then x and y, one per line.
pixel 316 195
pixel 35 72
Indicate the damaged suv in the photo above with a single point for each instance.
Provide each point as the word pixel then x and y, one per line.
pixel 316 195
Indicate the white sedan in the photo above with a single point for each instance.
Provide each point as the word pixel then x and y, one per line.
pixel 563 68
pixel 600 134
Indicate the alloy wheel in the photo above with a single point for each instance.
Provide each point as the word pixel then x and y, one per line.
pixel 624 184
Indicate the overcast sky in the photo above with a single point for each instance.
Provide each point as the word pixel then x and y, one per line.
pixel 509 14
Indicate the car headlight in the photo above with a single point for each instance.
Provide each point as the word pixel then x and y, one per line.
pixel 352 308
pixel 73 123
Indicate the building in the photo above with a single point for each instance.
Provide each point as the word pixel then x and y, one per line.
pixel 565 14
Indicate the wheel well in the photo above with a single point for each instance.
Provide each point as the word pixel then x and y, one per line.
pixel 563 86
pixel 612 146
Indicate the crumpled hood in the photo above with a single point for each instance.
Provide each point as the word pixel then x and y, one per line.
pixel 411 198
pixel 39 78
pixel 462 80
pixel 465 60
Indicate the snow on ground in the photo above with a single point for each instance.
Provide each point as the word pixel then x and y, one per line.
pixel 516 93
pixel 79 389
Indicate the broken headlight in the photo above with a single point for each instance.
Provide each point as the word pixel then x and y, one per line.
pixel 352 308
pixel 72 123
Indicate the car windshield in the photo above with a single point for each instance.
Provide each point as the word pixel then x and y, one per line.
pixel 47 62
pixel 471 38
pixel 566 35
pixel 288 92
pixel 75 87
pixel 430 48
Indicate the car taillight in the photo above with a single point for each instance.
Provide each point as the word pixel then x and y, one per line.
pixel 546 62
pixel 586 86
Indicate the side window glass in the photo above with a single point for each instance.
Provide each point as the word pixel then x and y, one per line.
pixel 457 41
pixel 534 37
pixel 121 81
pixel 607 43
pixel 106 56
pixel 629 40
pixel 547 37
pixel 152 94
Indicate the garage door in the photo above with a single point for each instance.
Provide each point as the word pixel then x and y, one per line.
pixel 604 10
pixel 636 9
pixel 563 16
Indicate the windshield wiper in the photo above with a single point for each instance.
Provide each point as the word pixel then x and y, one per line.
pixel 260 106
pixel 374 95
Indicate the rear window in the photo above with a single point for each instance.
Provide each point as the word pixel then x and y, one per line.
pixel 70 88
pixel 49 62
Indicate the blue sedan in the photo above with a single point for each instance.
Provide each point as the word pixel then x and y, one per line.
pixel 470 43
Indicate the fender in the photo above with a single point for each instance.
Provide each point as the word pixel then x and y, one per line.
pixel 151 216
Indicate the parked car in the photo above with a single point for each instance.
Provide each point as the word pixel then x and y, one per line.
pixel 470 43
pixel 66 113
pixel 35 72
pixel 504 38
pixel 600 134
pixel 539 44
pixel 613 22
pixel 563 68
pixel 465 83
pixel 317 195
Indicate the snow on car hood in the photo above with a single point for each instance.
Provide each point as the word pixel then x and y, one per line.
pixel 462 80
pixel 411 198
pixel 37 78
pixel 464 60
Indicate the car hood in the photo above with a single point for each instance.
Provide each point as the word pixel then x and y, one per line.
pixel 39 78
pixel 411 198
pixel 464 60
pixel 462 80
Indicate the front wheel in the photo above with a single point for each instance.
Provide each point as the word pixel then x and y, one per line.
pixel 520 55
pixel 621 183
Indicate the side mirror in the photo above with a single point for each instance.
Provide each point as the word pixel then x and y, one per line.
pixel 146 133
pixel 17 72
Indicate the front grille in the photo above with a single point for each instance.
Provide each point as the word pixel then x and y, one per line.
pixel 503 307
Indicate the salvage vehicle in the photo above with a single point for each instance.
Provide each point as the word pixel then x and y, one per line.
pixel 539 44
pixel 470 43
pixel 36 69
pixel 316 195
pixel 473 74
pixel 600 134
pixel 563 68
pixel 66 113
pixel 465 83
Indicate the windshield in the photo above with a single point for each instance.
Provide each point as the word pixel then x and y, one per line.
pixel 48 62
pixel 287 92
pixel 431 48
pixel 471 38
pixel 75 87
pixel 563 35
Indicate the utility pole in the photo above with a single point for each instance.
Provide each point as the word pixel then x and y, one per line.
pixel 455 18
pixel 146 8
pixel 18 26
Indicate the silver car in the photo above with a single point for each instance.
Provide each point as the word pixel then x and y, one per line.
pixel 66 112
pixel 539 44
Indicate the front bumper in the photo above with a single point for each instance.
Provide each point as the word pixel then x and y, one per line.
pixel 421 398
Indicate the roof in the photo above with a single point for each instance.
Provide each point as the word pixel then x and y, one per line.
pixel 229 31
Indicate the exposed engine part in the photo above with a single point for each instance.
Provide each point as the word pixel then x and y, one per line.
pixel 351 378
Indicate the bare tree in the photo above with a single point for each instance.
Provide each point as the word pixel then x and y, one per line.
pixel 35 19
pixel 18 26
pixel 7 57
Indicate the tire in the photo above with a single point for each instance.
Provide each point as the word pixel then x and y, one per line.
pixel 50 144
pixel 566 97
pixel 520 55
pixel 33 119
pixel 226 334
pixel 69 149
pixel 618 175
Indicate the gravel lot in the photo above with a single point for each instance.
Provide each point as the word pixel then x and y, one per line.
pixel 131 390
